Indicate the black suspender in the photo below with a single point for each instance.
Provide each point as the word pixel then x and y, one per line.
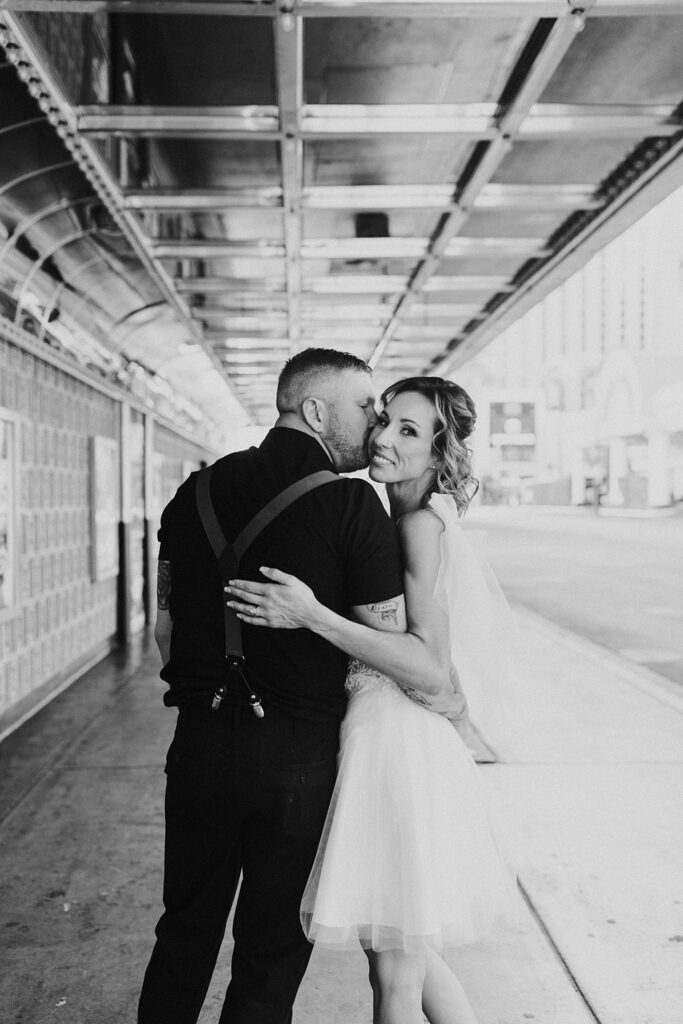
pixel 229 556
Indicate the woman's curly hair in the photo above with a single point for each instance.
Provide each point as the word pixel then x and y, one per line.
pixel 455 417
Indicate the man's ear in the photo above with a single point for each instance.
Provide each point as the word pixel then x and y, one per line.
pixel 315 414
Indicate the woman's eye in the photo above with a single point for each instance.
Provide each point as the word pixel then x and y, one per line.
pixel 408 431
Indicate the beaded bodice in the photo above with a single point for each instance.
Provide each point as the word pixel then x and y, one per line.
pixel 360 676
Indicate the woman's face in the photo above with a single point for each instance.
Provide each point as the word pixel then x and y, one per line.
pixel 401 443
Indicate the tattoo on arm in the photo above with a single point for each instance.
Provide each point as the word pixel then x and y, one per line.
pixel 163 586
pixel 387 611
pixel 462 709
pixel 417 697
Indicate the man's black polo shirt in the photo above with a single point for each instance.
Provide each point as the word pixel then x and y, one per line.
pixel 338 539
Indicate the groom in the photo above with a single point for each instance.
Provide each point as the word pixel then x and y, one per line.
pixel 247 795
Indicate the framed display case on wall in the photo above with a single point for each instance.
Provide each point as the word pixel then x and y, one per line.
pixel 8 499
pixel 105 507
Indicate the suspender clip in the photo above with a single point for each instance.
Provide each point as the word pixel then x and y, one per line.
pixel 217 698
pixel 236 664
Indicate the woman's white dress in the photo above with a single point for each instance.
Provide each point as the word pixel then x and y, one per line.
pixel 407 855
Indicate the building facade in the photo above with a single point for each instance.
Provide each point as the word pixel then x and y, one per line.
pixel 583 395
pixel 85 471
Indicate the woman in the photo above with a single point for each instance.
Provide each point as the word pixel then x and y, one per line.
pixel 407 863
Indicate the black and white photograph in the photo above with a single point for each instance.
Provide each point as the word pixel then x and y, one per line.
pixel 341 511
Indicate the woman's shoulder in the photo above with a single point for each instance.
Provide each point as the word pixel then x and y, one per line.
pixel 422 524
pixel 420 535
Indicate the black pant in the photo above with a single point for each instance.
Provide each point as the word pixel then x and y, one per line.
pixel 246 795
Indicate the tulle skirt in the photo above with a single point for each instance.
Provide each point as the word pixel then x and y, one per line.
pixel 407 856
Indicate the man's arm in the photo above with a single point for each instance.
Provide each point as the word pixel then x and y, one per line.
pixel 164 624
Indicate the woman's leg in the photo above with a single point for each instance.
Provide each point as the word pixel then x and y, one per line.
pixel 443 997
pixel 396 979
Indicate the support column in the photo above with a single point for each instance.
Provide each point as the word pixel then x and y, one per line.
pixel 658 484
pixel 578 474
pixel 618 468
pixel 123 597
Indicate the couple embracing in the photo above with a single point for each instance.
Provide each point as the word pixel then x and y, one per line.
pixel 323 767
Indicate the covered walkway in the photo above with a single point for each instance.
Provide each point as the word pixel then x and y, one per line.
pixel 190 192
pixel 586 778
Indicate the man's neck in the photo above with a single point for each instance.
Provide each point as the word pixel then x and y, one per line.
pixel 293 422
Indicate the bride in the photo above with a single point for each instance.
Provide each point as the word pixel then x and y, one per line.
pixel 407 863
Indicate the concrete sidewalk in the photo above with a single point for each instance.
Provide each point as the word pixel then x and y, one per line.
pixel 587 787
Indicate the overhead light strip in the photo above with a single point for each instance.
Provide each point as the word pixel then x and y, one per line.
pixel 289 61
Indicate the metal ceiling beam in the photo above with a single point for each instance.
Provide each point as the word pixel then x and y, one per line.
pixel 472 245
pixel 210 285
pixel 431 311
pixel 342 248
pixel 478 120
pixel 289 70
pixel 347 8
pixel 468 282
pixel 363 197
pixel 441 197
pixel 264 357
pixel 548 121
pixel 264 316
pixel 378 197
pixel 546 56
pixel 332 313
pixel 476 8
pixel 247 341
pixel 363 248
pixel 61 114
pixel 244 301
pixel 536 197
pixel 313 301
pixel 326 121
pixel 470 120
pixel 355 284
pixel 411 248
pixel 238 122
pixel 220 248
pixel 202 200
pixel 245 8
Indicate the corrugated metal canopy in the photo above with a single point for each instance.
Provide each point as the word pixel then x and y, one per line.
pixel 396 179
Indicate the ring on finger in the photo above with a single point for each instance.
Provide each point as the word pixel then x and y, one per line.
pixel 253 609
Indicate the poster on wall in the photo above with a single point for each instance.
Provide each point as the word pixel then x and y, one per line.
pixel 105 507
pixel 7 552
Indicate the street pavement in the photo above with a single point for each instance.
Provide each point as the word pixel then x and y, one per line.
pixel 615 580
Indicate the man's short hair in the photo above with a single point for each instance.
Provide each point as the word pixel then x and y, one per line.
pixel 301 373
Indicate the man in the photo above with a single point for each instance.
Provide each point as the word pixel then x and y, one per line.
pixel 249 795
